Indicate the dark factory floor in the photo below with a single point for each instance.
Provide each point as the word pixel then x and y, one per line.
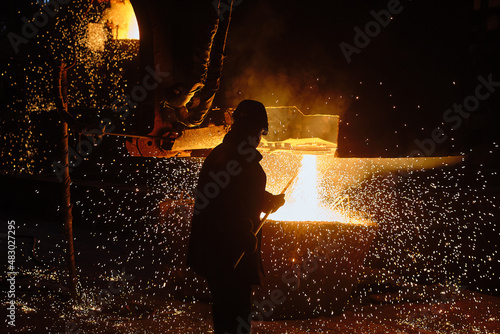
pixel 468 313
pixel 117 297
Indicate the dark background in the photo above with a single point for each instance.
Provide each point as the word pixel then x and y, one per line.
pixel 287 53
pixel 427 58
pixel 393 93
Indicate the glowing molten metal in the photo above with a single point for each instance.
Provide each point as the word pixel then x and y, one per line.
pixel 123 16
pixel 303 202
pixel 311 251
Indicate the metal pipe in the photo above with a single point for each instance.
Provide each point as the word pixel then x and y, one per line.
pixel 263 220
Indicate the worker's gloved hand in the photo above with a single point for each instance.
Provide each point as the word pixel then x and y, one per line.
pixel 277 202
pixel 271 202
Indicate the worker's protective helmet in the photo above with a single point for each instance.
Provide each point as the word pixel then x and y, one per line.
pixel 251 114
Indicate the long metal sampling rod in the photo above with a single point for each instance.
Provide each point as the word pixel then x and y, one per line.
pixel 263 220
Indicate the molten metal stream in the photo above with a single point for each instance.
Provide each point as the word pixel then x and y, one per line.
pixel 303 202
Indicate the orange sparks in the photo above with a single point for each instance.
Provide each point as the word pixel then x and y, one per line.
pixel 303 201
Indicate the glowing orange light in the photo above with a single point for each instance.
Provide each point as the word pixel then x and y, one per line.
pixel 118 22
pixel 303 202
pixel 122 16
pixel 133 27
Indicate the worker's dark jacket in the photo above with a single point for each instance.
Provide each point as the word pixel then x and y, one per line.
pixel 229 200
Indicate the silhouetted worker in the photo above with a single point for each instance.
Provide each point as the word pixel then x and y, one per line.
pixel 230 198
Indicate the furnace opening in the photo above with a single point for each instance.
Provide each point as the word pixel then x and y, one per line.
pixel 115 20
